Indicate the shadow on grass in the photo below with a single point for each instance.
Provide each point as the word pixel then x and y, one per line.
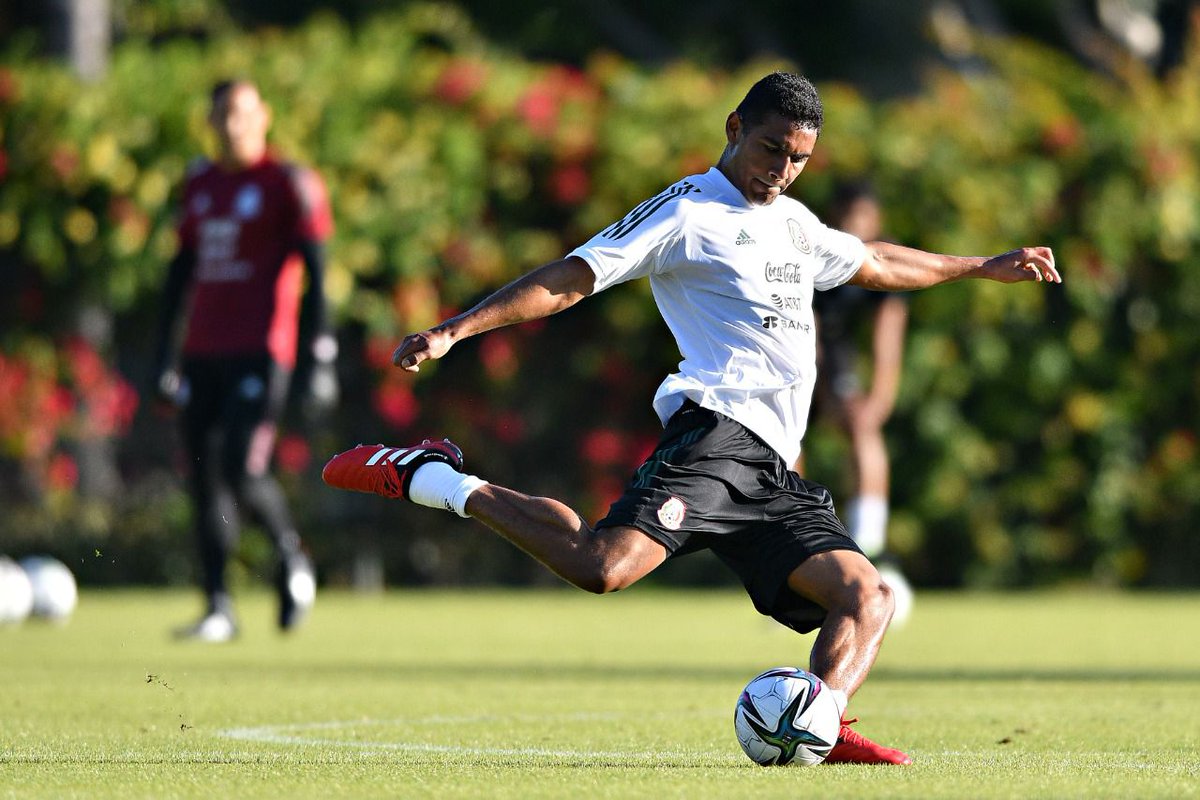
pixel 599 671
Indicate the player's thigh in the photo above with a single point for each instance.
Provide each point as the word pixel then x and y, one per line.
pixel 834 578
pixel 251 414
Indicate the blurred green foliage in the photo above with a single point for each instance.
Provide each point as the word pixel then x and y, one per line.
pixel 1042 432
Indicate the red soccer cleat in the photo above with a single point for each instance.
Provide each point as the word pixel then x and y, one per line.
pixel 854 748
pixel 387 471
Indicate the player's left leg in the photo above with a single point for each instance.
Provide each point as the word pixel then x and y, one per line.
pixel 252 412
pixel 859 606
pixel 430 474
pixel 868 509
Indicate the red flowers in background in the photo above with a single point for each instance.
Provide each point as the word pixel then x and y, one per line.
pixel 395 403
pixel 460 81
pixel 50 397
pixel 292 454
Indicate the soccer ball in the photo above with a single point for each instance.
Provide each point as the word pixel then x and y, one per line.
pixel 16 592
pixel 787 715
pixel 54 592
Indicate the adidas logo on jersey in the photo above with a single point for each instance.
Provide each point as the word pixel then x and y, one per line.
pixel 743 238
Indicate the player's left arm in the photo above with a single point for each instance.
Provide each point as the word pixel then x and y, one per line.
pixel 893 267
pixel 887 349
pixel 317 346
pixel 316 339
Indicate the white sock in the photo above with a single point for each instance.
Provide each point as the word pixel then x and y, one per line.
pixel 439 485
pixel 868 523
pixel 841 701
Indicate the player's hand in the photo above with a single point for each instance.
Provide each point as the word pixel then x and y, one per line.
pixel 170 391
pixel 1023 264
pixel 867 412
pixel 320 391
pixel 418 347
pixel 323 390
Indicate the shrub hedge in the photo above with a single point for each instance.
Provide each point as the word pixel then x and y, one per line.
pixel 1042 433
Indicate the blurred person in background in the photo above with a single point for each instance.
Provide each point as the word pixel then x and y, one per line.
pixel 732 263
pixel 251 237
pixel 861 411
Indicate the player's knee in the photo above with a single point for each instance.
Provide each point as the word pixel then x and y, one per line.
pixel 612 572
pixel 881 601
pixel 617 559
pixel 606 578
pixel 870 601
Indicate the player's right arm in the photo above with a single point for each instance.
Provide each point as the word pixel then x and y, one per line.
pixel 546 290
pixel 179 277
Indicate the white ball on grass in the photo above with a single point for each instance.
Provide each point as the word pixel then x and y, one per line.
pixel 787 715
pixel 54 590
pixel 16 592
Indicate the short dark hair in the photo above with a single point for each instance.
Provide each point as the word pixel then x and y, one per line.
pixel 847 192
pixel 789 95
pixel 222 88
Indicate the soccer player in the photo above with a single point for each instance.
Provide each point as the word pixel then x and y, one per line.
pixel 862 411
pixel 732 264
pixel 251 235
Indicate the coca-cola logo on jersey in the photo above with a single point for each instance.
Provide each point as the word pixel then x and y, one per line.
pixel 784 273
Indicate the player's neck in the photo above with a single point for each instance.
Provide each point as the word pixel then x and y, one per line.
pixel 230 162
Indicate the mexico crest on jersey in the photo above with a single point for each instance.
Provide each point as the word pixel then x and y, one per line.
pixel 670 514
pixel 248 202
pixel 798 237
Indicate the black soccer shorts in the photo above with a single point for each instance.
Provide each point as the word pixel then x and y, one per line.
pixel 713 484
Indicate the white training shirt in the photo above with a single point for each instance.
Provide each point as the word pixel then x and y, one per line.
pixel 734 282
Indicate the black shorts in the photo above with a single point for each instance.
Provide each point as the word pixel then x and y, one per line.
pixel 242 398
pixel 711 484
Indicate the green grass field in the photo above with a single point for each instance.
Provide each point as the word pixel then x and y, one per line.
pixel 561 694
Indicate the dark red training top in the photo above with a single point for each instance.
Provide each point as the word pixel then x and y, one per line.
pixel 245 228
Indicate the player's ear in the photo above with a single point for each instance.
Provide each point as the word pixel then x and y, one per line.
pixel 733 127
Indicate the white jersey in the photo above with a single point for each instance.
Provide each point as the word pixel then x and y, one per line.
pixel 734 282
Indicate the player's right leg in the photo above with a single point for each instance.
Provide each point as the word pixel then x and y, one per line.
pixel 867 515
pixel 430 474
pixel 214 506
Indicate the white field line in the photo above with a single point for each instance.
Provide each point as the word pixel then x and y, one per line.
pixel 316 734
pixel 303 734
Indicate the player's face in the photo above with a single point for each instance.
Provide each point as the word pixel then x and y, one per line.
pixel 762 160
pixel 863 218
pixel 240 119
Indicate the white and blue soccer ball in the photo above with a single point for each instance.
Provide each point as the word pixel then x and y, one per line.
pixel 787 715
pixel 16 592
pixel 54 590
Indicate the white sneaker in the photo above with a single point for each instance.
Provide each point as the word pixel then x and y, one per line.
pixel 902 591
pixel 297 587
pixel 213 627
